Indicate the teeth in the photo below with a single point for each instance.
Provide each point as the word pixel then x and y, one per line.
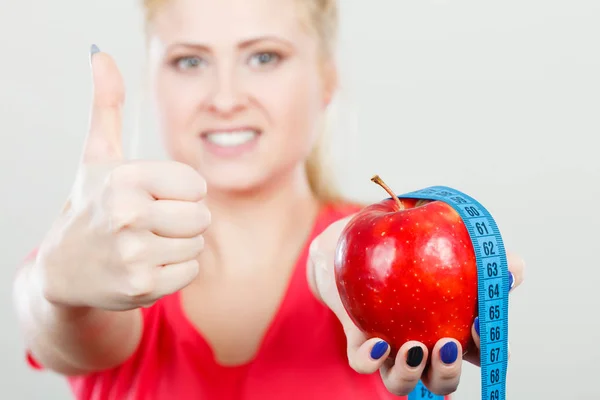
pixel 231 139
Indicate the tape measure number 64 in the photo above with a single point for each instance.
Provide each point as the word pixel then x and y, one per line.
pixel 492 290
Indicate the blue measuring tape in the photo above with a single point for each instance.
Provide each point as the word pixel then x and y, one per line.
pixel 492 290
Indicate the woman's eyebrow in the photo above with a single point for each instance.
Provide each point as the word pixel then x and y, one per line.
pixel 243 44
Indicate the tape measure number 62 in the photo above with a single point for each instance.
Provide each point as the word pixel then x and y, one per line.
pixel 492 290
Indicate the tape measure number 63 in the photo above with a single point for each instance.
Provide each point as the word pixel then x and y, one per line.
pixel 492 290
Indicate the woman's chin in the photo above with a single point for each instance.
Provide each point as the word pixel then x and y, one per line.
pixel 235 182
pixel 249 181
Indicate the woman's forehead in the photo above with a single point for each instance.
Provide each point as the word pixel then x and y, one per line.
pixel 216 22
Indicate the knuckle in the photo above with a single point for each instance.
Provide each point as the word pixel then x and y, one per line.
pixel 355 365
pixel 397 389
pixel 119 176
pixel 400 386
pixel 120 218
pixel 140 287
pixel 125 176
pixel 131 249
pixel 120 212
pixel 444 390
pixel 445 385
pixel 448 376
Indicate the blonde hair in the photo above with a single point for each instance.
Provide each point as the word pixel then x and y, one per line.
pixel 322 17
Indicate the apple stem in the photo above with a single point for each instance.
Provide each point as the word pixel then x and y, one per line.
pixel 381 183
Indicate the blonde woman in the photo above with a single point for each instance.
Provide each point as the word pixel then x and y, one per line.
pixel 196 278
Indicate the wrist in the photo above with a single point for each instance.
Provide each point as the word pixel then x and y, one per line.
pixel 43 286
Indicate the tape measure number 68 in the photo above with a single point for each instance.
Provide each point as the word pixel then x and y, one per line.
pixel 492 290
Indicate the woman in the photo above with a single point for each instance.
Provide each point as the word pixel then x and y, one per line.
pixel 150 286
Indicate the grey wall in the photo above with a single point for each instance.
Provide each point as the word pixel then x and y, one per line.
pixel 498 99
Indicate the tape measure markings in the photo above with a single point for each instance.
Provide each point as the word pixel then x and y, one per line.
pixel 492 289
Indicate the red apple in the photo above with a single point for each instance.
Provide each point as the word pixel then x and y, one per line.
pixel 406 270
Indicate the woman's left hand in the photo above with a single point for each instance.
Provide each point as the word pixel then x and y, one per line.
pixel 366 356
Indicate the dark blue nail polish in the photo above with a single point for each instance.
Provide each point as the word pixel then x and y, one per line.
pixel 94 49
pixel 379 350
pixel 477 326
pixel 449 353
pixel 511 281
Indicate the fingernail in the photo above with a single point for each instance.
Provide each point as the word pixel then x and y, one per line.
pixel 477 326
pixel 414 357
pixel 379 350
pixel 511 281
pixel 449 353
pixel 94 49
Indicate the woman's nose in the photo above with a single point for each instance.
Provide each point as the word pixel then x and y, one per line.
pixel 227 95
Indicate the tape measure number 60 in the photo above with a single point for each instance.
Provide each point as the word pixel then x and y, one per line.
pixel 492 290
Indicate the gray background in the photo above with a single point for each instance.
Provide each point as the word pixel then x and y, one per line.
pixel 498 99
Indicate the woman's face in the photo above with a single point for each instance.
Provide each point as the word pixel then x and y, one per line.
pixel 241 87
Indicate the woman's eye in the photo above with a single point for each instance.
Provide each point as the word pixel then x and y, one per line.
pixel 186 63
pixel 264 58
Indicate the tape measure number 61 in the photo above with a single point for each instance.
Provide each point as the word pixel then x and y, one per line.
pixel 492 290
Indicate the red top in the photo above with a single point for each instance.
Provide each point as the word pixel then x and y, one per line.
pixel 302 356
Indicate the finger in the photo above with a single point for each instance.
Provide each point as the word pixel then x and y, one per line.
pixel 174 277
pixel 516 266
pixel 443 377
pixel 164 251
pixel 474 357
pixel 162 180
pixel 401 377
pixel 104 142
pixel 320 268
pixel 475 332
pixel 365 356
pixel 176 219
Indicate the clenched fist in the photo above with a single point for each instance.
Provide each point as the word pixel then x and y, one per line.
pixel 131 232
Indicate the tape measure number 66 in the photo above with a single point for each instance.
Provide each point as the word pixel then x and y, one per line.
pixel 492 290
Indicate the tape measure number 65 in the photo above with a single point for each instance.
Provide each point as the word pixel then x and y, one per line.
pixel 492 290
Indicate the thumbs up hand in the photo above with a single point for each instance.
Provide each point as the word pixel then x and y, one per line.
pixel 131 231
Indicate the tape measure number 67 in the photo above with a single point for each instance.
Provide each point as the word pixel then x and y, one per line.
pixel 492 290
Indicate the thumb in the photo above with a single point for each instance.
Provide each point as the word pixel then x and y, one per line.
pixel 320 268
pixel 104 142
